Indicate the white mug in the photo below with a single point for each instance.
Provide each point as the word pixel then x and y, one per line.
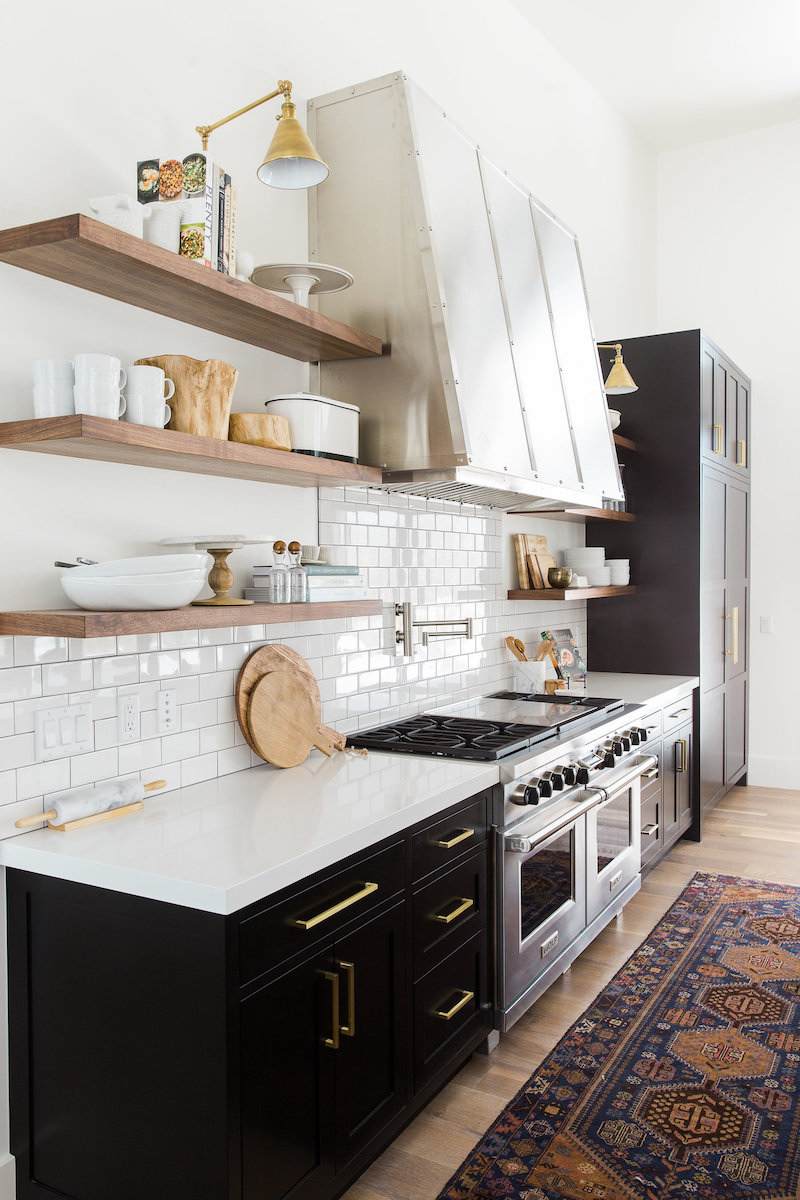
pixel 58 372
pixel 146 390
pixel 99 401
pixel 101 368
pixel 53 400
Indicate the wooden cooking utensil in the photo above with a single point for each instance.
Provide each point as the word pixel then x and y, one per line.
pixel 278 658
pixel 282 722
pixel 517 648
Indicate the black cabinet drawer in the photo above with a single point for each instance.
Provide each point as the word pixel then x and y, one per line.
pixel 450 1007
pixel 450 836
pixel 300 921
pixel 448 911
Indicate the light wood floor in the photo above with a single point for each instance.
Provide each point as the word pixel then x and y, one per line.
pixel 754 832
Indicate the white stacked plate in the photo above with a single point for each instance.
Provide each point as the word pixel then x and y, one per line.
pixel 598 576
pixel 620 569
pixel 584 558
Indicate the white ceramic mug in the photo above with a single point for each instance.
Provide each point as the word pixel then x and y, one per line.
pixel 146 390
pixel 53 400
pixel 53 372
pixel 310 553
pixel 99 400
pixel 102 369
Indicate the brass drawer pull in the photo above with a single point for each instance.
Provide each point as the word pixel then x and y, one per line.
pixel 649 830
pixel 451 916
pixel 734 617
pixel 716 439
pixel 332 1042
pixel 741 453
pixel 674 716
pixel 349 1027
pixel 451 1012
pixel 462 836
pixel 366 890
pixel 651 774
pixel 682 764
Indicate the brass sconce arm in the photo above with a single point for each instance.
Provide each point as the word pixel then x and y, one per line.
pixel 284 86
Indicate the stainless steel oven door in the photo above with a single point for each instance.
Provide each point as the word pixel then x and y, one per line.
pixel 613 840
pixel 544 901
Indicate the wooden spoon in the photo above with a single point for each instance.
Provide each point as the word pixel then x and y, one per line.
pixel 282 721
pixel 517 648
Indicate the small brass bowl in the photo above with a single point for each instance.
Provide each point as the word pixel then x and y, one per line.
pixel 559 577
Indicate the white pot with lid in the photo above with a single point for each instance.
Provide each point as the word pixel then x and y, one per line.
pixel 318 425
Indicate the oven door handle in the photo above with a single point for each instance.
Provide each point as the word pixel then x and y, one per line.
pixel 522 840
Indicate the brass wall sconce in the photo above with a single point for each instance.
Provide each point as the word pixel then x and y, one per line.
pixel 619 380
pixel 291 161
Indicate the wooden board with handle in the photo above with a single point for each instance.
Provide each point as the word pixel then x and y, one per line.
pixel 282 721
pixel 278 658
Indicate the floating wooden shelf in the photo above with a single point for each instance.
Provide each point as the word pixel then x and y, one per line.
pixel 588 593
pixel 75 622
pixel 624 443
pixel 93 256
pixel 117 441
pixel 578 514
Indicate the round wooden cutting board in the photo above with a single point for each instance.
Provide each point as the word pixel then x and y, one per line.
pixel 282 721
pixel 278 658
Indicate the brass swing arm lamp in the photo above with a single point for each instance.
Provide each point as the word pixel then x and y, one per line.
pixel 291 160
pixel 619 380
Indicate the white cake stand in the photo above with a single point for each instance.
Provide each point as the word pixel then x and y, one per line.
pixel 301 279
pixel 219 546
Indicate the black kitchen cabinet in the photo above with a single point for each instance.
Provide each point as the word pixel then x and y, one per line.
pixel 689 551
pixel 676 773
pixel 160 1050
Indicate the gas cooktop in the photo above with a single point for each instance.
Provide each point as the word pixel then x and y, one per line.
pixel 484 730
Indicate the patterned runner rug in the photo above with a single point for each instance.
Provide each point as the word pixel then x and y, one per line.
pixel 681 1079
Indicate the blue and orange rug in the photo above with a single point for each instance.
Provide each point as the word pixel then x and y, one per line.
pixel 681 1079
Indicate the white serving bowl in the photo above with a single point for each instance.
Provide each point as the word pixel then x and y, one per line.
pixel 131 584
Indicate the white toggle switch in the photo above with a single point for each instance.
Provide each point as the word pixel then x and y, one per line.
pixel 58 732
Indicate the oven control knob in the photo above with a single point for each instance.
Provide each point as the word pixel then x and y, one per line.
pixel 608 758
pixel 626 742
pixel 583 776
pixel 642 734
pixel 633 734
pixel 569 774
pixel 556 778
pixel 525 793
pixel 617 746
pixel 545 788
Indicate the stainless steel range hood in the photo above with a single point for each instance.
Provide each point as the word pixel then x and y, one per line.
pixel 490 390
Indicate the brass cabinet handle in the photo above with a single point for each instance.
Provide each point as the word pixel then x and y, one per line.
pixel 649 830
pixel 461 836
pixel 451 916
pixel 451 1012
pixel 681 765
pixel 734 617
pixel 366 890
pixel 674 716
pixel 741 453
pixel 332 1042
pixel 349 1027
pixel 651 774
pixel 717 446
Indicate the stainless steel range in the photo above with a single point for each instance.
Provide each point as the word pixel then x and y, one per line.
pixel 566 821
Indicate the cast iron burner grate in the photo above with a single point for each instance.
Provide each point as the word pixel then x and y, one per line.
pixel 451 737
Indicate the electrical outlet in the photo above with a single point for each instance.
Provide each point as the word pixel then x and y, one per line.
pixel 166 711
pixel 128 724
pixel 58 732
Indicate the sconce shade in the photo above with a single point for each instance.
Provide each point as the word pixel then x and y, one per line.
pixel 291 160
pixel 619 380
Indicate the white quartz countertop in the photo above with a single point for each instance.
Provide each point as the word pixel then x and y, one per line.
pixel 226 843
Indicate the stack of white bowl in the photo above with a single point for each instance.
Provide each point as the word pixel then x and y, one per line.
pixel 589 561
pixel 620 569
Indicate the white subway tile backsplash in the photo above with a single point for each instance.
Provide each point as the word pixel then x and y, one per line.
pixel 89 768
pixel 196 716
pixel 216 737
pixel 236 758
pixel 6 719
pixel 139 756
pixel 102 647
pixel 114 672
pixel 179 639
pixel 66 677
pixel 195 770
pixel 20 683
pixel 180 745
pixel 6 653
pixel 44 778
pixel 162 665
pixel 32 651
pixel 136 643
pixel 16 751
pixel 8 787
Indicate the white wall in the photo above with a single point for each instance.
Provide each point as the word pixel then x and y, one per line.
pixel 100 92
pixel 729 262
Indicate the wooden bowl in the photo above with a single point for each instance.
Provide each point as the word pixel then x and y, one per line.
pixel 260 429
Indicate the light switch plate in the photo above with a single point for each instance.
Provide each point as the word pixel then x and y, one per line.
pixel 59 732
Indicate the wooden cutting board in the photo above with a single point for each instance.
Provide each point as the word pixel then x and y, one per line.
pixel 278 658
pixel 282 721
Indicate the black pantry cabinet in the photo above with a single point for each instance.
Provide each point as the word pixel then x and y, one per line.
pixel 160 1052
pixel 689 485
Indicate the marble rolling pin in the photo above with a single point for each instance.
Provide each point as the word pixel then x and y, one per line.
pixel 106 801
